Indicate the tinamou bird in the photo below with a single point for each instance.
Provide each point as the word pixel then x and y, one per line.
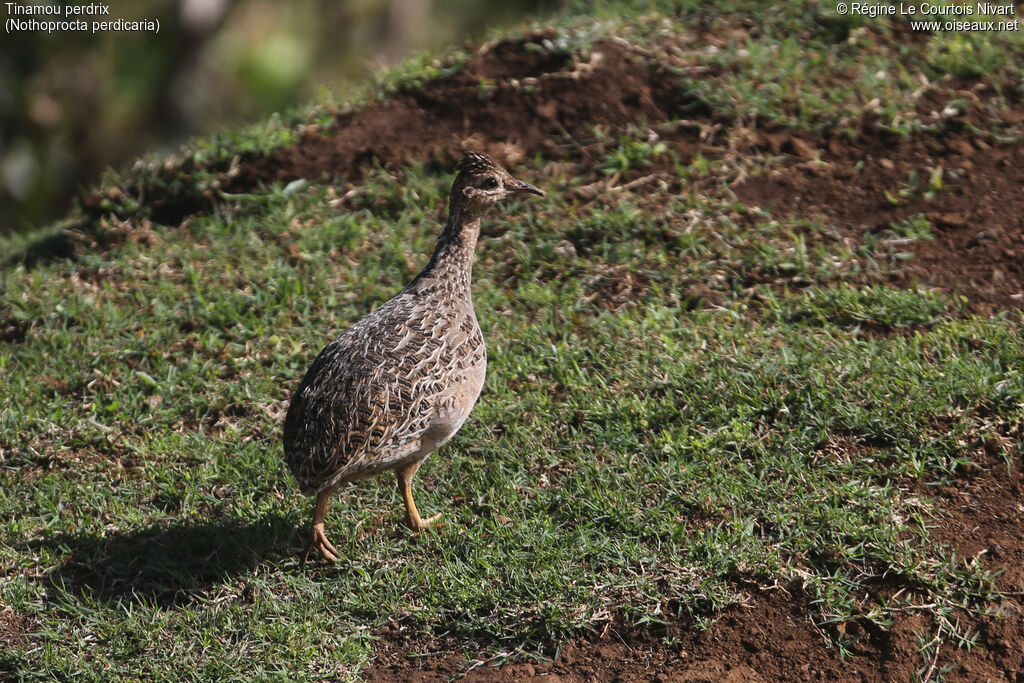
pixel 400 382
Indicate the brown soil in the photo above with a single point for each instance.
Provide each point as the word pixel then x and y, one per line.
pixel 13 627
pixel 529 99
pixel 517 103
pixel 977 216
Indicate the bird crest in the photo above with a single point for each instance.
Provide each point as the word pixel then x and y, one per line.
pixel 477 162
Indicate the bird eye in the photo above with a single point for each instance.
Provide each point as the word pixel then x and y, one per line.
pixel 491 183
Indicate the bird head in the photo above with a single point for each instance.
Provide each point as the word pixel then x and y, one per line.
pixel 482 183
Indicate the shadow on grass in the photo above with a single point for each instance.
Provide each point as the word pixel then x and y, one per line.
pixel 53 247
pixel 167 564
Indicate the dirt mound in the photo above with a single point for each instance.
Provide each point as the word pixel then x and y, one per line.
pixel 509 99
pixel 516 98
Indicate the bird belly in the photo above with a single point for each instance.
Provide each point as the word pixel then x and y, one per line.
pixel 457 405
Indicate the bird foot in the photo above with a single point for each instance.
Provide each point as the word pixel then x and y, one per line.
pixel 318 540
pixel 418 524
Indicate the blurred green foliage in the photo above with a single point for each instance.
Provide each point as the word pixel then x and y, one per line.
pixel 75 103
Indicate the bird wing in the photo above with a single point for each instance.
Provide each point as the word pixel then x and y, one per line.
pixel 369 396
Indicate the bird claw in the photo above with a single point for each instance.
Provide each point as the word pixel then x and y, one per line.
pixel 318 539
pixel 418 524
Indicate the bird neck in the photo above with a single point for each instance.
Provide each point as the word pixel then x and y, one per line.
pixel 451 264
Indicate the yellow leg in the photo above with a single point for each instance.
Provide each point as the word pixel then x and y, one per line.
pixel 412 516
pixel 317 537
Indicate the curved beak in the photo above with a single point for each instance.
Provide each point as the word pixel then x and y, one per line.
pixel 523 187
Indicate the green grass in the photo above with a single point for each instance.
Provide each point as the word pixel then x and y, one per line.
pixel 628 459
pixel 639 452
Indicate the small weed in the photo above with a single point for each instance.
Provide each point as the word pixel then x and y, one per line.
pixel 633 153
pixel 913 188
pixel 915 228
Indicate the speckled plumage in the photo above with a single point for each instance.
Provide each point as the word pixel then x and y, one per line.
pixel 400 382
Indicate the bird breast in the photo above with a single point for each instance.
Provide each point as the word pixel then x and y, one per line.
pixel 466 357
